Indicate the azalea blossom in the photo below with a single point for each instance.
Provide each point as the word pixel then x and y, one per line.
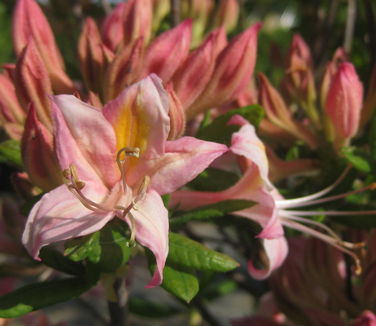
pixel 116 162
pixel 271 211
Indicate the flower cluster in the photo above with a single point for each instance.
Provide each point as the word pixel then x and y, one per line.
pixel 150 140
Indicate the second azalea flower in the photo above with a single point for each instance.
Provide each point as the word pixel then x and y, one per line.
pixel 117 162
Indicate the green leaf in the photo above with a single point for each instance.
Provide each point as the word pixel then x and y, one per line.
pixel 213 179
pixel 219 131
pixel 184 252
pixel 355 159
pixel 108 248
pixel 53 258
pixel 10 153
pixel 39 295
pixel 180 282
pixel 147 308
pixel 208 212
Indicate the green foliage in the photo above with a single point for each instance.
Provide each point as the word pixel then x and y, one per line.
pixel 39 295
pixel 253 113
pixel 150 309
pixel 213 179
pixel 356 159
pixel 10 153
pixel 184 259
pixel 208 212
pixel 188 253
pixel 107 249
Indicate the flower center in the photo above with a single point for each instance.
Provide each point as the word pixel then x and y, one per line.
pixel 75 186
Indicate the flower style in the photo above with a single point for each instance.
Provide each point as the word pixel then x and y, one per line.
pixel 116 162
pixel 271 211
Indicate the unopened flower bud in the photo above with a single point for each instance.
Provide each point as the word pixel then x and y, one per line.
pixel 176 114
pixel 227 14
pixel 344 101
pixel 38 155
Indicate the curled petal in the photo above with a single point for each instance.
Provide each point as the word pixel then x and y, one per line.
pixel 151 221
pixel 275 253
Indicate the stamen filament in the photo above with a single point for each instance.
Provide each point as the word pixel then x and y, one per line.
pixel 331 213
pixel 302 201
pixel 339 244
pixel 291 216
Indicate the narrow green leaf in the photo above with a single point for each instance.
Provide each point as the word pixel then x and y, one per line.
pixel 355 159
pixel 213 180
pixel 147 308
pixel 187 253
pixel 10 153
pixel 39 295
pixel 253 113
pixel 372 139
pixel 208 212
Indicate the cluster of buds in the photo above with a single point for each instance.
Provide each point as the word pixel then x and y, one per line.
pixel 337 111
pixel 121 52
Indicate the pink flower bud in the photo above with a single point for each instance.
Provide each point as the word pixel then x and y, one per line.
pixel 124 70
pixel 33 84
pixel 112 28
pixel 29 23
pixel 38 155
pixel 227 14
pixel 137 20
pixel 344 101
pixel 168 51
pixel 176 114
pixel 233 70
pixel 299 80
pixel 194 74
pixel 10 109
pixel 279 114
pixel 93 56
pixel 330 70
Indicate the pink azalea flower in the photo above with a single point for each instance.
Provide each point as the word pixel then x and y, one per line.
pixel 117 163
pixel 271 211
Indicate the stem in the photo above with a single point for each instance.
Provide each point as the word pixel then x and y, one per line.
pixel 175 12
pixel 350 24
pixel 118 309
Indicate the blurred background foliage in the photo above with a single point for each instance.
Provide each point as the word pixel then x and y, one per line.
pixel 324 25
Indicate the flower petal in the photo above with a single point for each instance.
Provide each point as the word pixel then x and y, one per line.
pixel 139 116
pixel 151 219
pixel 75 123
pixel 183 160
pixel 275 253
pixel 58 216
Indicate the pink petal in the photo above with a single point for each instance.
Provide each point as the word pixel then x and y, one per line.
pixel 249 187
pixel 183 160
pixel 139 116
pixel 84 137
pixel 151 219
pixel 112 28
pixel 58 216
